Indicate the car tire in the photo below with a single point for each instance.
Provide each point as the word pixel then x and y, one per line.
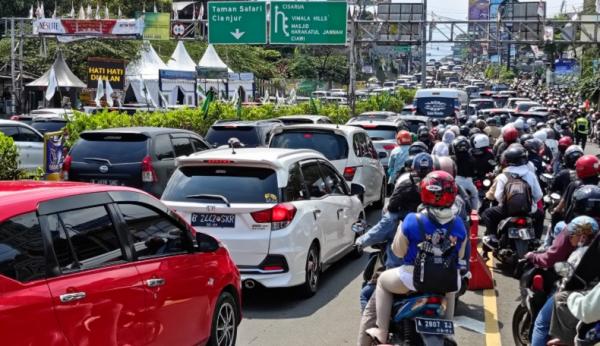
pixel 379 204
pixel 225 321
pixel 312 273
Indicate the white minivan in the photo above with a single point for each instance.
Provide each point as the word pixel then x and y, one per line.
pixel 439 102
pixel 29 142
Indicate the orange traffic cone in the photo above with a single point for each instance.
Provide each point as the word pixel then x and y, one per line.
pixel 481 277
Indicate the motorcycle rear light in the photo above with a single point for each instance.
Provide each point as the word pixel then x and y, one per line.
pixel 478 184
pixel 66 167
pixel 280 216
pixel 349 173
pixel 520 222
pixel 389 147
pixel 434 300
pixel 429 312
pixel 148 173
pixel 538 283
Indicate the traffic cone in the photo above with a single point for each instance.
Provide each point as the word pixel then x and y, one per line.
pixel 481 277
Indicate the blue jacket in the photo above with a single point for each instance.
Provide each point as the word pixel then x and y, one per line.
pixel 398 157
pixel 384 231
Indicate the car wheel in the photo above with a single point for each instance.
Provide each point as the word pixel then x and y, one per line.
pixel 224 323
pixel 313 273
pixel 379 204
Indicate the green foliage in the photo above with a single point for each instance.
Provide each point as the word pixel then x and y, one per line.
pixel 501 73
pixel 9 159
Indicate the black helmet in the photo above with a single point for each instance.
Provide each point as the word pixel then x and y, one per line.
pixel 474 131
pixel 586 201
pixel 524 138
pixel 572 154
pixel 417 147
pixel 450 121
pixel 470 123
pixel 514 155
pixel 464 130
pixel 460 145
pixel 503 118
pixel 564 124
pixel 408 163
pixel 492 121
pixel 434 122
pixel 533 145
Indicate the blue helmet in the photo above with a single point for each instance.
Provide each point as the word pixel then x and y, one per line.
pixel 422 164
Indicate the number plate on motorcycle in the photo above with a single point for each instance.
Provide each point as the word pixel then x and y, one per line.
pixel 434 326
pixel 525 234
pixel 513 233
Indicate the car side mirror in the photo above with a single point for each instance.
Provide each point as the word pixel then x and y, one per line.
pixel 381 155
pixel 206 243
pixel 357 190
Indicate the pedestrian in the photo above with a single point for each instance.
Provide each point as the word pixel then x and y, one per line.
pixel 581 129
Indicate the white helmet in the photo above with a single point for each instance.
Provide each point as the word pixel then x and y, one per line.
pixel 541 135
pixel 481 141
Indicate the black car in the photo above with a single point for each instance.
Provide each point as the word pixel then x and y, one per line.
pixel 250 133
pixel 44 125
pixel 140 157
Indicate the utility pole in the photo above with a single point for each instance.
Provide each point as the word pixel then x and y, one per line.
pixel 423 48
pixel 352 63
pixel 13 75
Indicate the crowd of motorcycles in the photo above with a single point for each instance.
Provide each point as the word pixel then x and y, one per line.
pixel 421 318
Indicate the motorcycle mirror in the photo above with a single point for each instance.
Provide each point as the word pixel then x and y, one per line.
pixel 563 269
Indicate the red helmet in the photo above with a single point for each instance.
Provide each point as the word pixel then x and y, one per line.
pixel 404 137
pixel 564 143
pixel 510 135
pixel 438 189
pixel 587 166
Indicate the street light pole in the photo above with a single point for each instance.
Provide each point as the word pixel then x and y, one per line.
pixel 423 46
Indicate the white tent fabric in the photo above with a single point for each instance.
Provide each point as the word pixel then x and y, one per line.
pixel 211 60
pixel 142 75
pixel 180 59
pixel 63 75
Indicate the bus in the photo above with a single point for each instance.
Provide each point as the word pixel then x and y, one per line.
pixel 439 103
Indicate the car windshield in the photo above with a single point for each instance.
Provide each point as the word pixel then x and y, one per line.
pixel 116 148
pixel 220 135
pixel 236 184
pixel 413 125
pixel 381 132
pixel 485 104
pixel 48 126
pixel 524 107
pixel 331 145
pixel 437 107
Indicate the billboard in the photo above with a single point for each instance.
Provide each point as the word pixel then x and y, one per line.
pixel 157 26
pixel 479 9
pixel 112 70
pixel 88 27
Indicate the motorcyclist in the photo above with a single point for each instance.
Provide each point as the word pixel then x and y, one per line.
pixel 586 169
pixel 442 148
pixel 399 155
pixel 534 146
pixel 515 158
pixel 492 129
pixel 465 163
pixel 424 136
pixel 581 129
pixel 565 175
pixel 484 158
pixel 438 192
pixel 509 135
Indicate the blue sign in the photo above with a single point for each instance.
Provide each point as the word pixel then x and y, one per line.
pixel 172 74
pixel 53 152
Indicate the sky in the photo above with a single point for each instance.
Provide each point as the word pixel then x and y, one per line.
pixel 457 9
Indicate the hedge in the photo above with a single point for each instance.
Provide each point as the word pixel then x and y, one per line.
pixel 9 159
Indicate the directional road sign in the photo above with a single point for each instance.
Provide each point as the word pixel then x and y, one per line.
pixel 304 22
pixel 237 22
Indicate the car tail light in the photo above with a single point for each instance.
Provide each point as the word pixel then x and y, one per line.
pixel 148 173
pixel 274 264
pixel 520 221
pixel 538 283
pixel 389 147
pixel 280 216
pixel 349 173
pixel 66 167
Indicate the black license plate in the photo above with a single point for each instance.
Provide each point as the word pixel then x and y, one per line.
pixel 112 182
pixel 213 220
pixel 434 326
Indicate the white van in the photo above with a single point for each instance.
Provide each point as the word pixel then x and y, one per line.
pixel 439 102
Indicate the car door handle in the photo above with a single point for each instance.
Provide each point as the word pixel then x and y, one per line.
pixel 341 210
pixel 71 297
pixel 155 282
pixel 316 213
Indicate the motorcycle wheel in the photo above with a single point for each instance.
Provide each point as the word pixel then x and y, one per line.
pixel 521 326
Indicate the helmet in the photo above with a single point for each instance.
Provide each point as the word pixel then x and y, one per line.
pixel 564 124
pixel 519 124
pixel 503 118
pixel 444 163
pixel 540 126
pixel 587 166
pixel 422 164
pixel 460 145
pixel 533 145
pixel 449 121
pixel 549 133
pixel 572 154
pixel 531 122
pixel 423 134
pixel 438 189
pixel 470 123
pixel 582 225
pixel 404 138
pixel 586 201
pixel 455 129
pixel 464 130
pixel 514 155
pixel 510 134
pixel 481 141
pixel 434 122
pixel 408 163
pixel 493 121
pixel 541 135
pixel 474 131
pixel 525 137
pixel 564 143
pixel 418 147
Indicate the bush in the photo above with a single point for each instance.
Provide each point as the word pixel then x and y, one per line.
pixel 9 159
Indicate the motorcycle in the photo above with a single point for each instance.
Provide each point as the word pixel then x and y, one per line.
pixel 516 238
pixel 483 185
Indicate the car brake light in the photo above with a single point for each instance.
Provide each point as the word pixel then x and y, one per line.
pixel 148 173
pixel 369 126
pixel 66 167
pixel 389 147
pixel 349 173
pixel 520 221
pixel 218 162
pixel 537 283
pixel 280 216
pixel 307 135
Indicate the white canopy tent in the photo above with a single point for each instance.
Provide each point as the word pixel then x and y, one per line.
pixel 177 90
pixel 211 63
pixel 142 76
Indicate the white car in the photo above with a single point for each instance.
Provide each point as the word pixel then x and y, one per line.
pixel 348 148
pixel 304 119
pixel 29 142
pixel 284 215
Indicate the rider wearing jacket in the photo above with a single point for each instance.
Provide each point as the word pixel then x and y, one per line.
pixel 465 172
pixel 399 155
pixel 586 169
pixel 484 159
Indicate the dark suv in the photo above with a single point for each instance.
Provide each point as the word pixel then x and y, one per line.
pixel 250 133
pixel 140 157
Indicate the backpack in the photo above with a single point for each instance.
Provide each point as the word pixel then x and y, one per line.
pixel 517 197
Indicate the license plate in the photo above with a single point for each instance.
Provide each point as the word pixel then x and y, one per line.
pixel 434 326
pixel 520 233
pixel 213 220
pixel 111 182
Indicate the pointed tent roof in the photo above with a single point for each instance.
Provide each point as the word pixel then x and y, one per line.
pixel 64 76
pixel 147 65
pixel 180 59
pixel 211 60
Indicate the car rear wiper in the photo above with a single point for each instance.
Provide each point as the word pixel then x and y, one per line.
pixel 96 159
pixel 213 197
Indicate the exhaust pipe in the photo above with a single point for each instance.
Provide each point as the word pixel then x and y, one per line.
pixel 249 284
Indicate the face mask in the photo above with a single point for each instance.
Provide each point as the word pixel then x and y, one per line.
pixel 441 215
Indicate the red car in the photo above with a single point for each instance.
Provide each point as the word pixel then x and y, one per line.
pixel 84 264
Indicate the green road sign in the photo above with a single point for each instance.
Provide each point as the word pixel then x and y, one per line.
pixel 303 22
pixel 237 22
pixel 402 49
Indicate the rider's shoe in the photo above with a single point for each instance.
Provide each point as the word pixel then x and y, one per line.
pixel 380 336
pixel 490 241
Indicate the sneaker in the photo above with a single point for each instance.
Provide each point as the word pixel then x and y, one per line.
pixel 490 241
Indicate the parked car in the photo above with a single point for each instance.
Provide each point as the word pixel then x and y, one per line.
pixel 250 133
pixel 84 264
pixel 24 118
pixel 349 149
pixel 49 123
pixel 285 215
pixel 140 157
pixel 29 142
pixel 305 119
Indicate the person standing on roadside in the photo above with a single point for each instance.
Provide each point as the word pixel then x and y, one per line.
pixel 581 129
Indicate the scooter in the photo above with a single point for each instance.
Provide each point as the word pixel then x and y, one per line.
pixel 516 238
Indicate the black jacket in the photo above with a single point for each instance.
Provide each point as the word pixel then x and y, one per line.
pixel 406 197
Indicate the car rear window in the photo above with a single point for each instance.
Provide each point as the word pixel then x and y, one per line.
pixel 413 125
pixel 331 145
pixel 436 107
pixel 116 148
pixel 237 184
pixel 48 126
pixel 219 135
pixel 378 133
